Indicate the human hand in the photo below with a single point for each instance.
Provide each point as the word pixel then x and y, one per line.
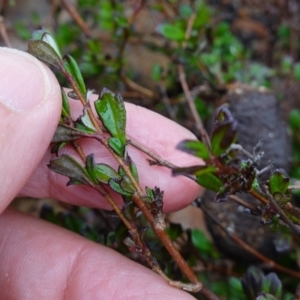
pixel 38 259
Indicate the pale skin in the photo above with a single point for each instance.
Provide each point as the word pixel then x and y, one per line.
pixel 40 260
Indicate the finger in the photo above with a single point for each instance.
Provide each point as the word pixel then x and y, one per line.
pixel 42 261
pixel 30 104
pixel 149 129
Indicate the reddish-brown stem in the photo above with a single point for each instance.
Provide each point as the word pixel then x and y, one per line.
pixel 159 229
pixel 283 216
pixel 136 87
pixel 77 18
pixel 258 196
pixel 82 100
pixel 157 224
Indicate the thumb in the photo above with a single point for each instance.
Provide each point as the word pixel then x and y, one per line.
pixel 30 105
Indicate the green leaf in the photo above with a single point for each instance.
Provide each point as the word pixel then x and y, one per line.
pixel 200 241
pixel 65 105
pixel 294 119
pixel 105 172
pixel 149 193
pixel 45 36
pixel 70 167
pixel 171 32
pixel 90 167
pixel 126 185
pixel 278 183
pixel 84 123
pixel 202 16
pixel 133 169
pixel 115 185
pixel 116 145
pixel 224 131
pixel 272 284
pixel 112 113
pixel 72 68
pixel 195 148
pixel 297 71
pixel 45 52
pixel 209 181
pixel 236 289
pixel 66 133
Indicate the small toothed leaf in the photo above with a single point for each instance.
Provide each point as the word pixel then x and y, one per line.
pixel 45 36
pixel 46 53
pixel 278 183
pixel 126 185
pixel 111 111
pixel 105 172
pixel 66 133
pixel 224 131
pixel 115 185
pixel 84 123
pixel 70 167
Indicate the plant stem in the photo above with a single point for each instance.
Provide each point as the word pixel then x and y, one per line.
pixel 283 217
pixel 157 223
pixel 190 101
pixel 251 250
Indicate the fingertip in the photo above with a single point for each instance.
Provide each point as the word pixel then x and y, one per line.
pixel 30 104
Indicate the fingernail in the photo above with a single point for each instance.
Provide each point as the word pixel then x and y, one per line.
pixel 23 80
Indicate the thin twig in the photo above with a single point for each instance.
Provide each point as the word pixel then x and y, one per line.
pixel 77 18
pixel 136 87
pixel 138 7
pixel 240 201
pixel 189 28
pixel 190 101
pixel 283 216
pixel 3 33
pixel 160 161
pixel 251 250
pixel 166 101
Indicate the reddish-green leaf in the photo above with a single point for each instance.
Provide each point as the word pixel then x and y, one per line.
pixel 224 131
pixel 70 167
pixel 45 52
pixel 111 111
pixel 66 133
